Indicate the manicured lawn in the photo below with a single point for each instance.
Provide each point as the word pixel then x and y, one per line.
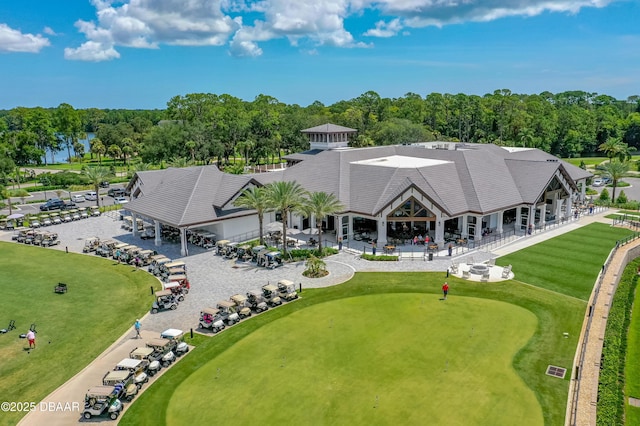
pixel 328 365
pixel 102 302
pixel 301 360
pixel 632 364
pixel 567 264
pixel 589 161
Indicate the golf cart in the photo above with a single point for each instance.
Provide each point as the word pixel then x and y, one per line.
pixel 256 301
pixel 175 289
pixel 117 250
pixel 231 250
pixel 55 218
pixel 228 312
pixel 287 290
pixel 269 259
pixel 75 214
pixel 101 400
pixel 122 382
pixel 255 251
pixel 220 247
pixel 209 319
pixel 91 244
pixel 162 351
pixel 244 253
pixel 172 268
pixel 147 353
pixel 156 264
pixel 136 366
pixel 145 256
pixel 83 213
pixel 35 223
pixel 46 221
pixel 182 280
pixel 241 305
pixel 149 232
pixel 49 239
pixel 95 211
pixel 164 300
pixel 106 248
pixel 66 217
pixel 271 296
pixel 175 335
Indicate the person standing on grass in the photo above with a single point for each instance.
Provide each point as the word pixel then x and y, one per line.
pixel 31 337
pixel 445 290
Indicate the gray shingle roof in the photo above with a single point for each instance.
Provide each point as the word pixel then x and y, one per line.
pixel 329 128
pixel 477 179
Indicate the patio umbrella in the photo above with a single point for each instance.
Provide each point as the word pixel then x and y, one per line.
pixel 273 227
pixel 15 216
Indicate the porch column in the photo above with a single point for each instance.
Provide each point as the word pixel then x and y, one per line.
pixel 477 230
pixel 463 231
pixel 583 194
pixel 543 214
pixel 338 224
pixel 381 226
pixel 518 226
pixel 134 227
pixel 183 242
pixel 158 239
pixel 439 239
pixel 500 220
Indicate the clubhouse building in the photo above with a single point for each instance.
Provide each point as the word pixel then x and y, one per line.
pixel 392 194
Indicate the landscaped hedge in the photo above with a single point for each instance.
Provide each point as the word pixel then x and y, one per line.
pixel 611 387
pixel 380 257
pixel 302 254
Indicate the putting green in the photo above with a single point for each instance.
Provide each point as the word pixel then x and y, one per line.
pixel 380 359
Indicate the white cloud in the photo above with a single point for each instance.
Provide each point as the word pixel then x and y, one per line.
pixel 385 29
pixel 14 41
pixel 49 31
pixel 307 24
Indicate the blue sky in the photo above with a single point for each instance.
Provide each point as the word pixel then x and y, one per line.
pixel 141 53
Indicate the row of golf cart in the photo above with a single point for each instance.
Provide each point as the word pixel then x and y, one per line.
pixel 229 312
pixel 261 255
pixel 128 376
pixel 64 216
pixel 37 237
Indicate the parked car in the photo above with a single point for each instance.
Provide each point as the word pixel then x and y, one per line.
pixel 104 184
pixel 120 200
pixel 597 182
pixel 116 192
pixel 79 198
pixel 91 196
pixel 55 204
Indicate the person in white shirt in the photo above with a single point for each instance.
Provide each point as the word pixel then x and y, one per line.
pixel 31 337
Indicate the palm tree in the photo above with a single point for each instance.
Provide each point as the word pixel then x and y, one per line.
pixel 6 194
pixel 615 148
pixel 255 198
pixel 178 162
pixel 95 176
pixel 321 204
pixel 616 170
pixel 285 197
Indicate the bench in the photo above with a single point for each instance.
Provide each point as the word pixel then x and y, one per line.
pixel 465 275
pixel 485 277
pixel 506 272
pixel 61 288
pixel 454 268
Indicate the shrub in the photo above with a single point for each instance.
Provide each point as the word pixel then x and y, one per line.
pixel 380 257
pixel 610 409
pixel 622 198
pixel 302 254
pixel 604 195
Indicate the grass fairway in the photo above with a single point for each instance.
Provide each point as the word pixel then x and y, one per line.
pixel 569 263
pixel 316 361
pixel 404 358
pixel 102 302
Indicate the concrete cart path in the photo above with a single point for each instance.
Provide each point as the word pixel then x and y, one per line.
pixel 64 406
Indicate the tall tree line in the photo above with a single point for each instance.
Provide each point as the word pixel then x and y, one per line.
pixel 204 127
